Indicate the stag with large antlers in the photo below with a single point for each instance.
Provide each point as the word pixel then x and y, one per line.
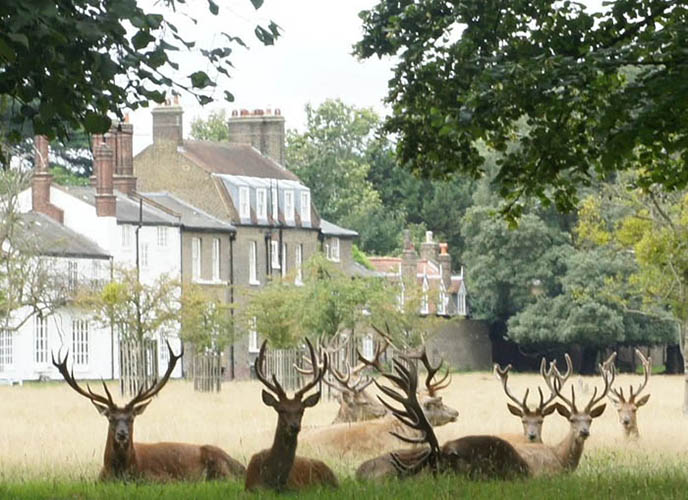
pixel 476 456
pixel 367 438
pixel 355 403
pixel 532 419
pixel 566 455
pixel 125 459
pixel 279 468
pixel 628 406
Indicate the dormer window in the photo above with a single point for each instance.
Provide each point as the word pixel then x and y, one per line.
pixel 261 203
pixel 305 206
pixel 289 205
pixel 244 203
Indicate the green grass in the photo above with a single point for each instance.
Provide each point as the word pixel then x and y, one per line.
pixel 598 481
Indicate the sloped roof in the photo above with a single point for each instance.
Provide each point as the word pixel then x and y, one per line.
pixel 190 216
pixel 330 229
pixel 233 159
pixel 127 208
pixel 56 240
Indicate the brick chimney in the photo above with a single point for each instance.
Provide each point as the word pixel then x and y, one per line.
pixel 444 260
pixel 262 129
pixel 409 259
pixel 41 181
pixel 124 179
pixel 429 249
pixel 167 123
pixel 103 165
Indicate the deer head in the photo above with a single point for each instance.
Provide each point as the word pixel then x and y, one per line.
pixel 120 418
pixel 532 419
pixel 437 412
pixel 290 410
pixel 627 407
pixel 580 419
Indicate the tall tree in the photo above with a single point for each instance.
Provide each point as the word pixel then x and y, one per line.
pixel 214 128
pixel 583 91
pixel 68 64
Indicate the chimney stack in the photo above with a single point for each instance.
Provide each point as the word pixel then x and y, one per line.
pixel 444 260
pixel 41 181
pixel 429 249
pixel 124 179
pixel 103 163
pixel 262 129
pixel 167 124
pixel 409 259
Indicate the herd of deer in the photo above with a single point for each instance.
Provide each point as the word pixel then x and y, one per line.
pixel 403 414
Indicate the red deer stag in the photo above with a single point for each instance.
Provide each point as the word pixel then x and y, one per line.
pixel 475 456
pixel 565 456
pixel 355 403
pixel 531 419
pixel 367 438
pixel 279 468
pixel 627 407
pixel 125 459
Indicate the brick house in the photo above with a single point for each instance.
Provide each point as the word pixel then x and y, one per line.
pixel 243 183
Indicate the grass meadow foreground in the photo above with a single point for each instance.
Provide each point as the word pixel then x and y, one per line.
pixel 52 442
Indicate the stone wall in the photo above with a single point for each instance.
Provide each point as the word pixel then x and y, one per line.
pixel 463 343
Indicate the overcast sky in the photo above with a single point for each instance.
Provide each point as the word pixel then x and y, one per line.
pixel 309 63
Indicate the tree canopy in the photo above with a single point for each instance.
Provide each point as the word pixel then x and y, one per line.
pixel 583 94
pixel 68 64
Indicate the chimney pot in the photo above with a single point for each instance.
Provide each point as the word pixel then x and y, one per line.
pixel 278 112
pixel 235 112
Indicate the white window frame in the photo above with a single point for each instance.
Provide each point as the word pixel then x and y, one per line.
pixel 196 254
pixel 80 342
pixel 253 263
pixel 368 347
pixel 289 205
pixel 72 275
pixel 274 254
pixel 144 256
pixel 461 303
pixel 261 203
pixel 305 206
pixel 162 236
pixel 274 197
pixel 216 259
pixel 6 350
pixel 125 235
pixel 244 202
pixel 40 340
pixel 163 352
pixel 424 304
pixel 284 259
pixel 253 336
pixel 298 263
pixel 333 249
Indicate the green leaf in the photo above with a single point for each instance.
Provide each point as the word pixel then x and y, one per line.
pixel 141 39
pixel 200 79
pixel 257 3
pixel 19 38
pixel 96 123
pixel 6 52
pixel 214 9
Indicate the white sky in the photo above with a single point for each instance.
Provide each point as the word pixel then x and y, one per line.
pixel 309 63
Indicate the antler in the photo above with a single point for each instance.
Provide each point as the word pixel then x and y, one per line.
pixel 503 374
pixel 318 371
pixel 647 369
pixel 406 379
pixel 555 380
pixel 143 395
pixel 619 394
pixel 274 386
pixel 432 370
pixel 379 351
pixel 69 378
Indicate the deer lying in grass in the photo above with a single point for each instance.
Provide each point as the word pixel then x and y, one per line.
pixel 366 438
pixel 532 420
pixel 565 456
pixel 125 459
pixel 355 403
pixel 279 468
pixel 476 456
pixel 627 408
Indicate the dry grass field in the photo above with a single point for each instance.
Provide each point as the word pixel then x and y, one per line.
pixel 49 432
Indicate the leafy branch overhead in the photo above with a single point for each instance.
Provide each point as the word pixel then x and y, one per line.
pixel 566 95
pixel 66 65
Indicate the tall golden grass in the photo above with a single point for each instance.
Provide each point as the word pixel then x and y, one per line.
pixel 48 431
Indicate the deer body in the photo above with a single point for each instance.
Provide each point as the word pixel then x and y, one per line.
pixel 123 459
pixel 278 468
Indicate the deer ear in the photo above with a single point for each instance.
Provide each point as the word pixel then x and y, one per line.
pixel 311 400
pixel 563 410
pixel 103 410
pixel 596 412
pixel 642 400
pixel 269 399
pixel 548 410
pixel 139 409
pixel 514 410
